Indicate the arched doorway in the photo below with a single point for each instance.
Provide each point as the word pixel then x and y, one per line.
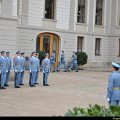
pixel 47 42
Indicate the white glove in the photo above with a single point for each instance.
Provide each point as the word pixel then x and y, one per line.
pixel 39 70
pixel 43 71
pixel 15 70
pixel 0 72
pixel 108 99
pixel 30 71
pixel 6 71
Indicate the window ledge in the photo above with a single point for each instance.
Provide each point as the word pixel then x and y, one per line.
pixel 118 27
pixel 83 24
pixel 99 26
pixel 97 55
pixel 49 20
pixel 118 56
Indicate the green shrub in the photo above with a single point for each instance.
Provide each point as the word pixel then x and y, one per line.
pixel 94 111
pixel 41 56
pixel 82 58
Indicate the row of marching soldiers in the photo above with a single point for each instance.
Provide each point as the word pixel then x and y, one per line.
pixel 19 69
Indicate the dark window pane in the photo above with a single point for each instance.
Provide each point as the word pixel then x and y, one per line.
pixel 80 44
pixel 99 12
pixel 81 11
pixel 49 9
pixel 97 46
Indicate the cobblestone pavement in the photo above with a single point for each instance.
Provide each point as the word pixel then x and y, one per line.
pixel 66 91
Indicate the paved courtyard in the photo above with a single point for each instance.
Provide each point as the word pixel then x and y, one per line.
pixel 66 91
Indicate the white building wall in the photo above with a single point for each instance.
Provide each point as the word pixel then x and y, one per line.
pixel 0 7
pixel 8 35
pixel 63 14
pixel 35 12
pixel 20 6
pixel 14 7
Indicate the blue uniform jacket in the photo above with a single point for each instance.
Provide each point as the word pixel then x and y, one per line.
pixel 9 63
pixel 38 64
pixel 62 58
pixel 52 59
pixel 114 81
pixel 17 64
pixel 74 58
pixel 23 63
pixel 3 64
pixel 46 65
pixel 33 64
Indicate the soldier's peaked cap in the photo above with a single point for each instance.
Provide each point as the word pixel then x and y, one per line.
pixel 115 64
pixel 7 52
pixel 18 52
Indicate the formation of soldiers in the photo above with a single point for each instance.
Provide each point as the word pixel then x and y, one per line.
pixel 19 67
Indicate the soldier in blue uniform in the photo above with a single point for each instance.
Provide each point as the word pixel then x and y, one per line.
pixel 73 63
pixel 62 62
pixel 3 69
pixel 32 69
pixel 52 61
pixel 113 91
pixel 38 68
pixel 23 68
pixel 17 64
pixel 46 69
pixel 9 67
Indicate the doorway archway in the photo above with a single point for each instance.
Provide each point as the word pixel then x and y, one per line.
pixel 47 42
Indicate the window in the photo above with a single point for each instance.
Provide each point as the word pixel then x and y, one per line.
pixel 49 9
pixel 80 44
pixel 81 11
pixel 119 48
pixel 97 46
pixel 99 12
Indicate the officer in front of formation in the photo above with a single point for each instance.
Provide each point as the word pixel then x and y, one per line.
pixel 23 68
pixel 32 69
pixel 113 91
pixel 17 64
pixel 62 62
pixel 46 69
pixel 73 62
pixel 3 70
pixel 9 67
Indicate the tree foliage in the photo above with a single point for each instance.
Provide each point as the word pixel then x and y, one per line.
pixel 82 58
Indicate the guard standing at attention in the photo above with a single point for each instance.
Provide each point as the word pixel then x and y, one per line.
pixel 9 67
pixel 17 64
pixel 23 68
pixel 46 69
pixel 32 69
pixel 113 91
pixel 3 70
pixel 38 68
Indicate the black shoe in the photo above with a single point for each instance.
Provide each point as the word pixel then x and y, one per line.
pixel 17 87
pixel 36 83
pixel 6 85
pixel 65 71
pixel 2 88
pixel 76 71
pixel 47 85
pixel 21 84
pixel 32 86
